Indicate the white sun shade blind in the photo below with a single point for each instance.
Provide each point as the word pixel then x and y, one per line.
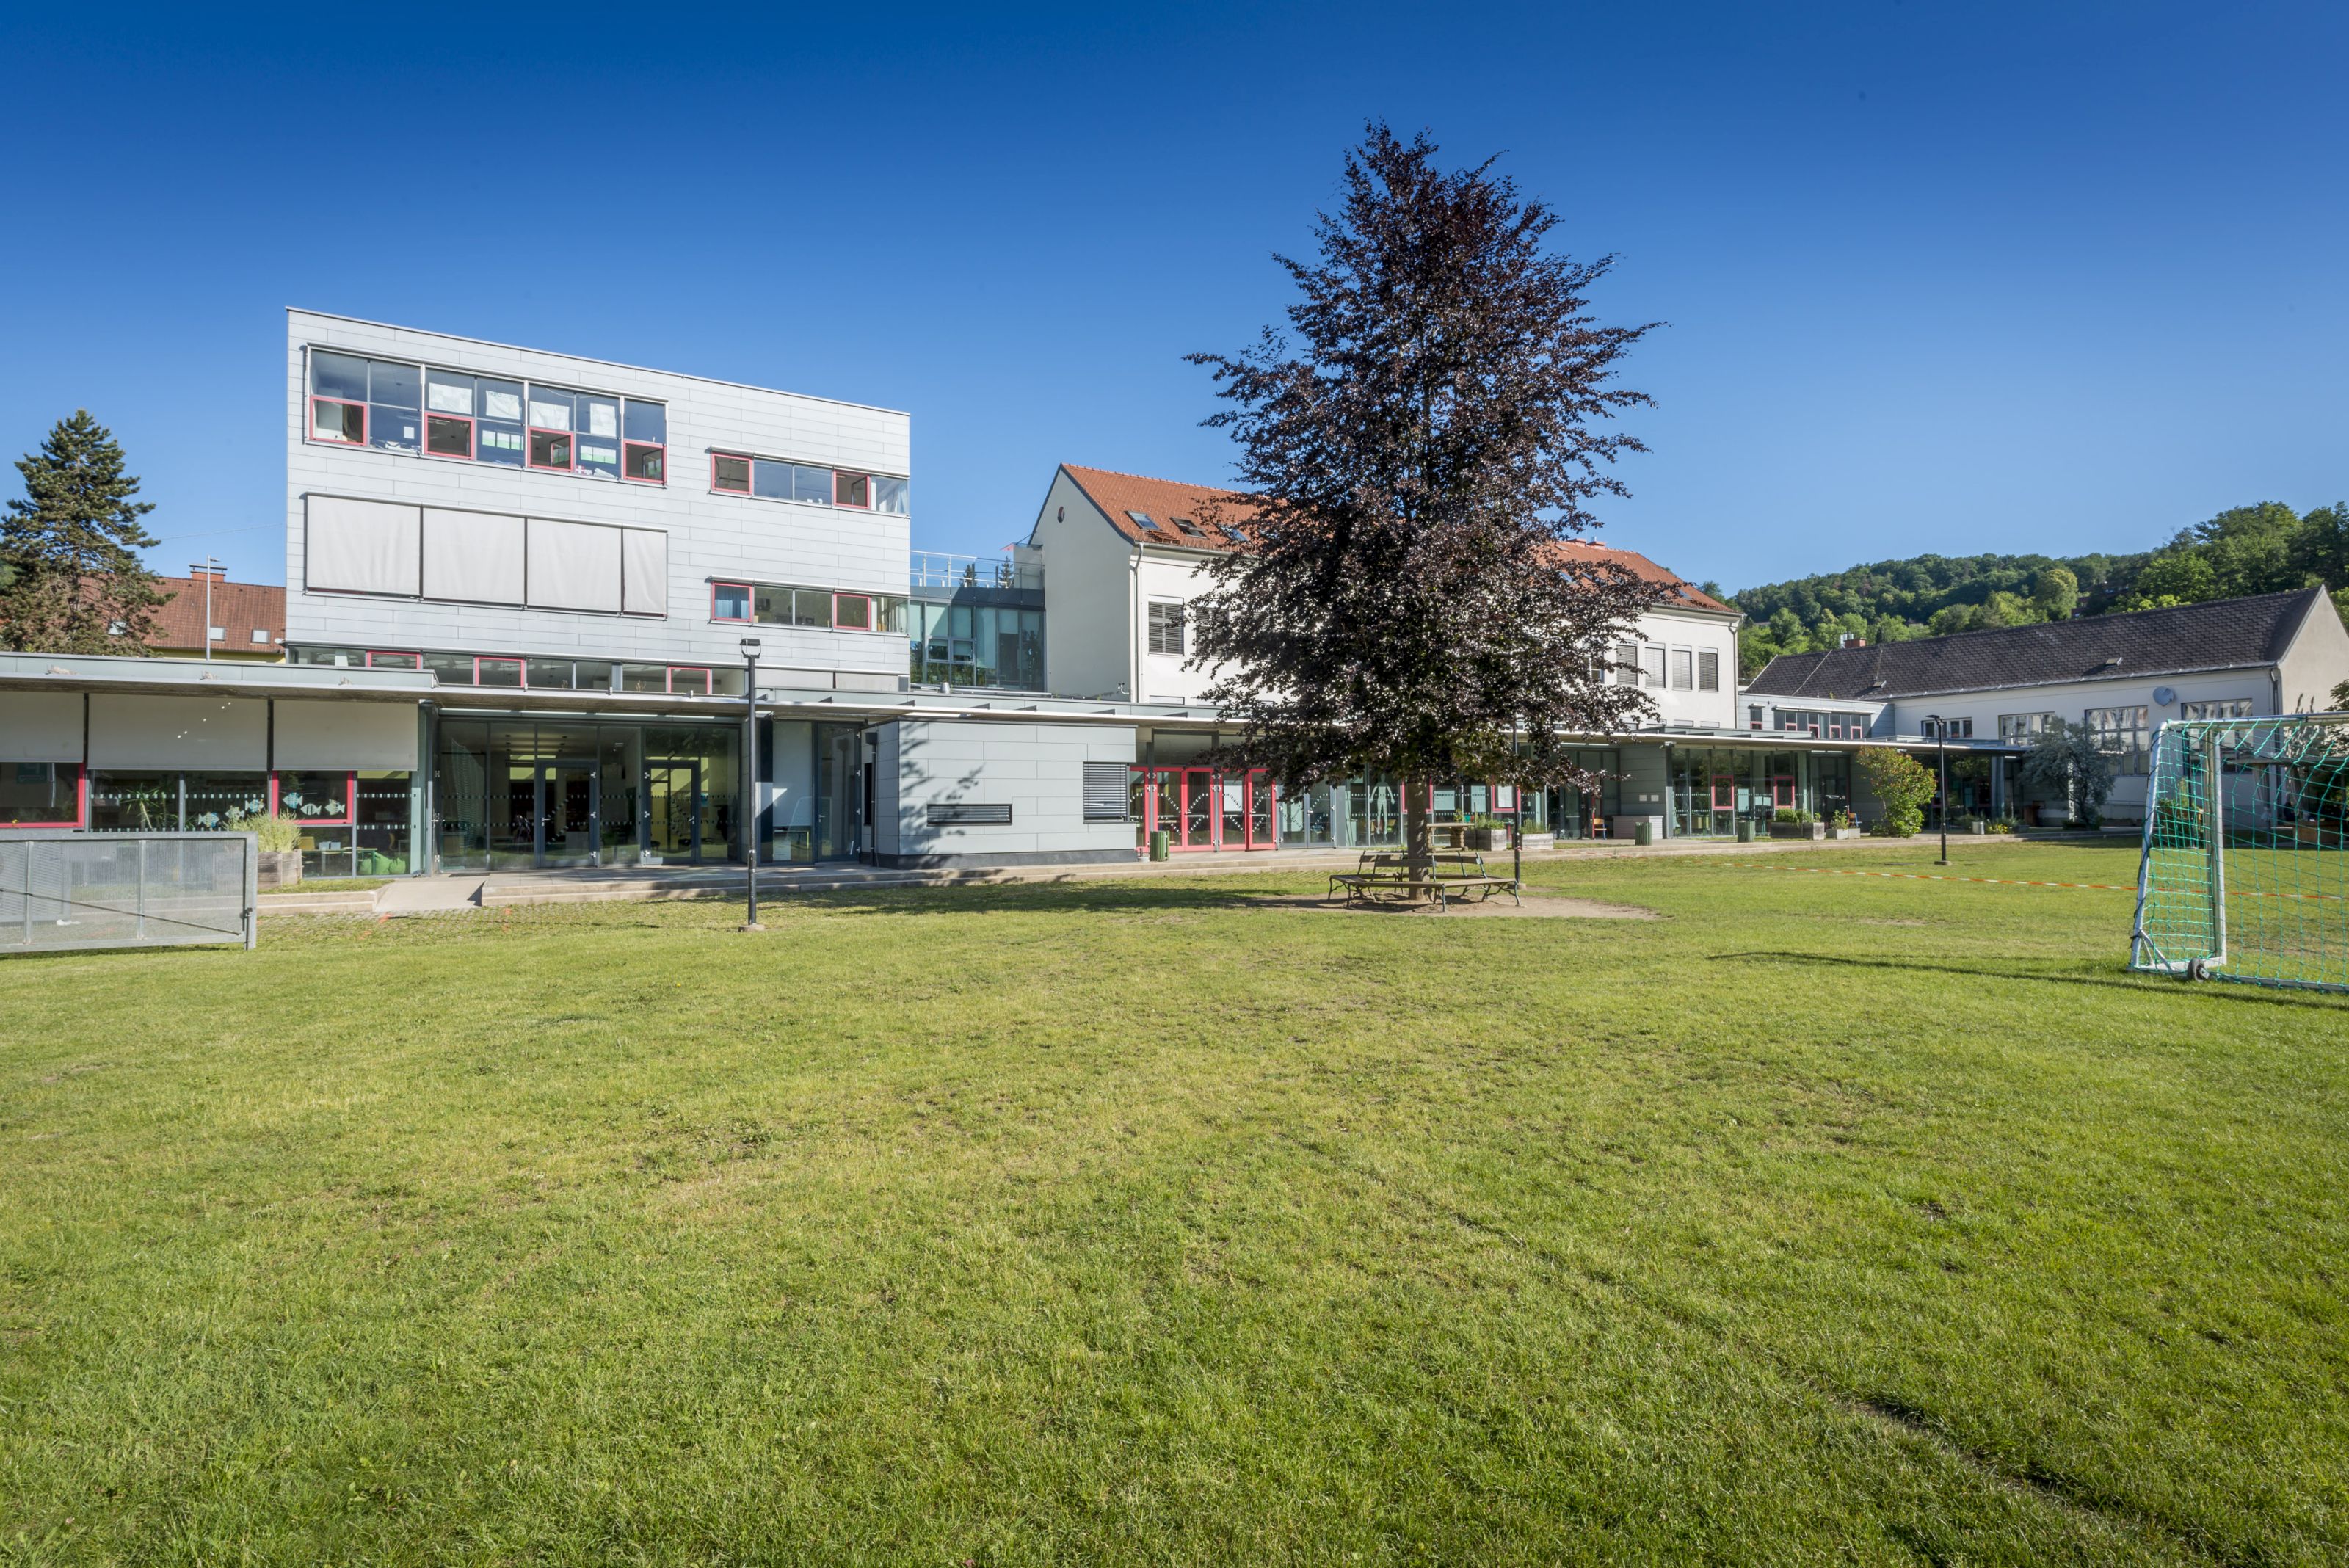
pixel 647 572
pixel 344 734
pixel 362 547
pixel 472 555
pixel 573 566
pixel 40 727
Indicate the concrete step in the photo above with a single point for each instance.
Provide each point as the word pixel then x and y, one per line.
pixel 357 902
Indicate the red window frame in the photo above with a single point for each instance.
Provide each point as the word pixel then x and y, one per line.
pixel 340 403
pixel 1782 791
pixel 1725 791
pixel 659 451
pixel 839 474
pixel 717 457
pixel 373 654
pixel 465 420
pixel 708 685
pixel 750 597
pixel 350 800
pixel 522 667
pixel 836 601
pixel 530 449
pixel 81 798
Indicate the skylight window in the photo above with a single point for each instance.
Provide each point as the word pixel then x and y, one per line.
pixel 1145 521
pixel 1189 527
pixel 1238 535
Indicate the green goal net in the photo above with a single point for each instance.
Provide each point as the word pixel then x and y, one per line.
pixel 2245 871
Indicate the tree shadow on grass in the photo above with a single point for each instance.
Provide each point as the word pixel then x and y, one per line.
pixel 2143 985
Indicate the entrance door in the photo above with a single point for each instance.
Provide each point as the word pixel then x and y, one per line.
pixel 672 809
pixel 566 815
pixel 1198 810
pixel 1261 810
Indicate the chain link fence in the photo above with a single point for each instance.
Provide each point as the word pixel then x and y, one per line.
pixel 61 891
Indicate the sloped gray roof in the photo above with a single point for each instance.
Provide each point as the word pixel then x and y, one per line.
pixel 2222 634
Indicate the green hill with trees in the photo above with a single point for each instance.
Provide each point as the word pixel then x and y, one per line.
pixel 2264 548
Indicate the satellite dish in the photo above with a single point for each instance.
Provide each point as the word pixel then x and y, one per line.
pixel 2164 696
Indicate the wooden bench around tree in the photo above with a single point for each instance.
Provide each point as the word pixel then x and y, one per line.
pixel 1387 878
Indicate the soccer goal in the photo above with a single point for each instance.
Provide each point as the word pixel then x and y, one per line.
pixel 2245 870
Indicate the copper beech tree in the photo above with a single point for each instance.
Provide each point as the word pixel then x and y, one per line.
pixel 1408 601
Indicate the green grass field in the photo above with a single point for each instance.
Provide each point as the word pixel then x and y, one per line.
pixel 1827 1218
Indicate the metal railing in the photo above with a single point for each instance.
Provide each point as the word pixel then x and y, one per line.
pixel 930 571
pixel 61 891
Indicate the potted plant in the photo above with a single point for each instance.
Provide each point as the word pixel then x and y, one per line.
pixel 1842 825
pixel 278 840
pixel 1486 832
pixel 1967 822
pixel 1788 822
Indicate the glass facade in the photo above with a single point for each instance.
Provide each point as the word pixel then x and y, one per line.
pixel 39 794
pixel 518 794
pixel 1713 787
pixel 973 644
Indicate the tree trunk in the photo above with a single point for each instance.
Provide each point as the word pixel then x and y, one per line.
pixel 1418 841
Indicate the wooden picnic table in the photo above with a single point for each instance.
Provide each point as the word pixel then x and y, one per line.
pixel 1388 877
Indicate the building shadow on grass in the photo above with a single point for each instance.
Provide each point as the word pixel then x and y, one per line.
pixel 2140 984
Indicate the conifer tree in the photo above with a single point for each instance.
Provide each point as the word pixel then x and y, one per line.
pixel 1408 602
pixel 70 544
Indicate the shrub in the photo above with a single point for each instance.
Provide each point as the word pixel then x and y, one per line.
pixel 1789 815
pixel 1903 783
pixel 1840 819
pixel 274 835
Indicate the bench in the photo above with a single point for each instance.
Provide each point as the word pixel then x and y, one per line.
pixel 1451 877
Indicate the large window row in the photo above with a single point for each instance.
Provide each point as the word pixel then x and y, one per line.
pixel 772 479
pixel 977 645
pixel 394 405
pixel 781 604
pixel 515 672
pixel 1656 665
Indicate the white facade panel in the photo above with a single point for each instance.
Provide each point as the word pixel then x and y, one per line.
pixel 40 727
pixel 364 546
pixel 644 572
pixel 574 566
pixel 472 555
pixel 225 733
pixel 344 734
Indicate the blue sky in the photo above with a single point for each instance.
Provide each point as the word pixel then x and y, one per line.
pixel 1953 278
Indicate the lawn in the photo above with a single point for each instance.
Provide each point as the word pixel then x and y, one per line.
pixel 1825 1218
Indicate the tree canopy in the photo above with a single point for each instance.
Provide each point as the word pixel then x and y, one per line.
pixel 1422 459
pixel 73 582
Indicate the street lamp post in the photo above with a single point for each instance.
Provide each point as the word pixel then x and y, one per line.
pixel 750 809
pixel 1941 760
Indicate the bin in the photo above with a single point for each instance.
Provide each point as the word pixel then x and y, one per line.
pixel 1647 834
pixel 1162 843
pixel 1744 830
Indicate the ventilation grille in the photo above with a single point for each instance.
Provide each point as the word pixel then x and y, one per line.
pixel 955 815
pixel 1106 795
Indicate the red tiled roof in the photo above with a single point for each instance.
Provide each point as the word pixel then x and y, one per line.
pixel 239 609
pixel 1163 501
pixel 1119 495
pixel 1679 590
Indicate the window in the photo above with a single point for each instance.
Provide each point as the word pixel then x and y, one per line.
pixel 394 661
pixel 888 495
pixel 496 672
pixel 447 435
pixel 1107 798
pixel 1683 669
pixel 496 425
pixel 1651 664
pixel 1753 718
pixel 1782 791
pixel 1627 664
pixel 2024 729
pixel 1236 533
pixel 553 674
pixel 1187 528
pixel 395 406
pixel 216 633
pixel 2120 732
pixel 1949 730
pixel 40 795
pixel 811 606
pixel 261 634
pixel 2224 708
pixel 595 423
pixel 688 682
pixel 550 449
pixel 853 490
pixel 645 447
pixel 852 612
pixel 1708 671
pixel 344 424
pixel 730 601
pixel 731 474
pixel 647 463
pixel 1166 625
pixel 1144 520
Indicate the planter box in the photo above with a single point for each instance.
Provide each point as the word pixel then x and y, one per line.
pixel 1485 839
pixel 1799 830
pixel 1843 833
pixel 1535 842
pixel 277 869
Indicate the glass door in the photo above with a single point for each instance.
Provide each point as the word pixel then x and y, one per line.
pixel 1232 815
pixel 514 817
pixel 1198 810
pixel 1262 810
pixel 567 835
pixel 672 809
